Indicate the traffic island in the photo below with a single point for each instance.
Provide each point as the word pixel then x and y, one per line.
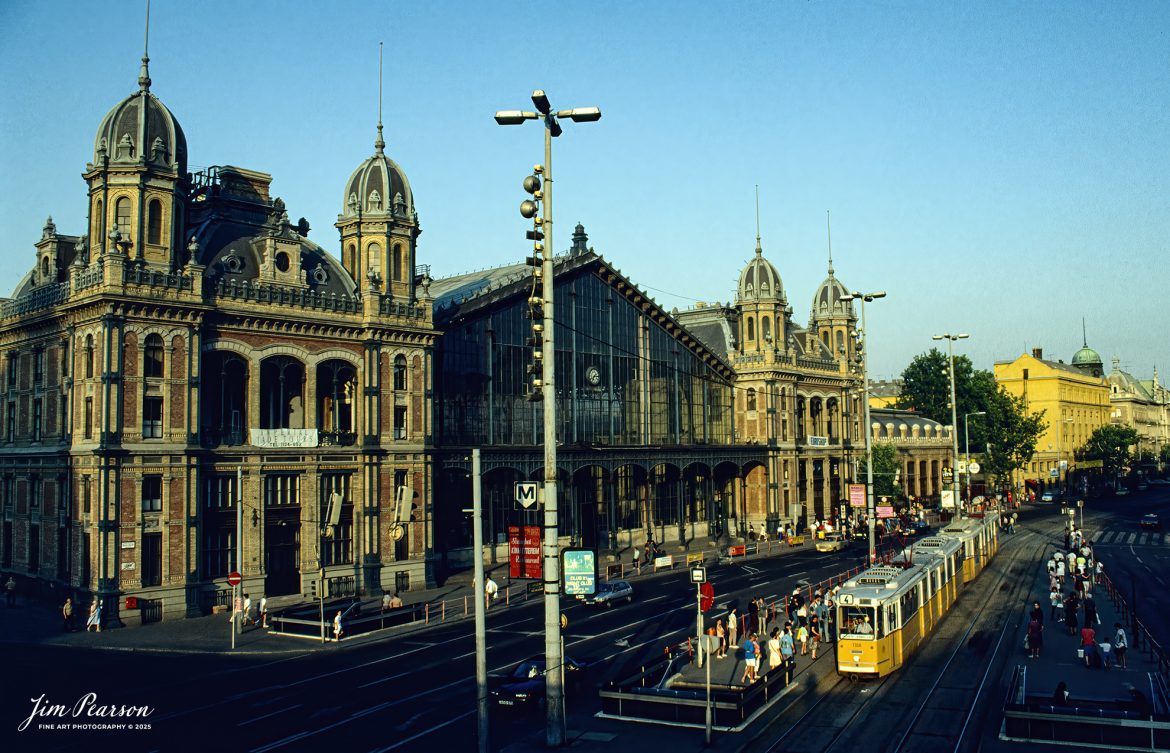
pixel 673 690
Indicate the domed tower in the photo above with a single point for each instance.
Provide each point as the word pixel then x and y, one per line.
pixel 761 303
pixel 378 224
pixel 137 180
pixel 831 319
pixel 1088 360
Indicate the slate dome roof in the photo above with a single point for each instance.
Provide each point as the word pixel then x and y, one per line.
pixel 378 186
pixel 759 279
pixel 1086 356
pixel 141 128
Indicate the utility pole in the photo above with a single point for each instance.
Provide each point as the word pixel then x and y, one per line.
pixel 480 599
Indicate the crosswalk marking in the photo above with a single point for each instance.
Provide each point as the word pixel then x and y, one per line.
pixel 1123 538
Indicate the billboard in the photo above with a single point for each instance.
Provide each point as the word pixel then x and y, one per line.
pixel 524 552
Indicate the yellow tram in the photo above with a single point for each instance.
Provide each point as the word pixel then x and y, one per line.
pixel 884 613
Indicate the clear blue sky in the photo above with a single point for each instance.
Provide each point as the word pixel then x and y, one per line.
pixel 999 168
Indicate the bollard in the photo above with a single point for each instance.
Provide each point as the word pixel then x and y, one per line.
pixel 427 613
pixel 507 596
pixel 443 611
pixel 465 605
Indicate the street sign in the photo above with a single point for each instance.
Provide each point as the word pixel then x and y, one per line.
pixel 706 596
pixel 962 466
pixel 973 467
pixel 947 498
pixel 698 575
pixel 234 578
pixel 857 495
pixel 948 475
pixel 524 552
pixel 885 511
pixel 1053 473
pixel 526 493
pixel 580 571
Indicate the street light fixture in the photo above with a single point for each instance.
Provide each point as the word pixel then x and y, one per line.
pixel 954 418
pixel 967 447
pixel 554 686
pixel 862 299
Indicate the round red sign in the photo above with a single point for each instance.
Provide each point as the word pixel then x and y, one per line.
pixel 234 579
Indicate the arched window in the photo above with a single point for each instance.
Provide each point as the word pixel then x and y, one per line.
pixel 751 399
pixel 840 341
pixel 766 328
pixel 374 254
pixel 400 372
pixel 154 222
pixel 348 260
pixel 399 263
pixel 122 216
pixel 152 361
pixel 99 223
pixel 45 269
pixel 751 328
pixel 89 355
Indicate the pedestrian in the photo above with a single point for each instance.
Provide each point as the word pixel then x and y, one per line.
pixel 814 634
pixel 721 634
pixel 395 601
pixel 247 609
pixel 263 611
pixel 1120 644
pixel 385 600
pixel 751 531
pixel 753 620
pixel 774 656
pixel 1037 613
pixel 95 617
pixel 1070 613
pixel 1060 695
pixel 490 591
pixel 67 615
pixel 787 647
pixel 1060 570
pixel 749 660
pixel 1100 572
pixel 1090 609
pixel 1054 602
pixel 1035 638
pixel 337 631
pixel 762 613
pixel 802 639
pixel 732 627
pixel 10 591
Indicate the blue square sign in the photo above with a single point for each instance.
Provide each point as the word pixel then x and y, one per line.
pixel 580 572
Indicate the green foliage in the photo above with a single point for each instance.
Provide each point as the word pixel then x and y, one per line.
pixel 1006 433
pixel 1164 454
pixel 885 470
pixel 1110 444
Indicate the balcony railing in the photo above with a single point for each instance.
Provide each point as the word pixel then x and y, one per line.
pixel 336 439
pixel 306 299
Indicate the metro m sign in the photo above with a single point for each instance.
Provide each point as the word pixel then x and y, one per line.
pixel 526 493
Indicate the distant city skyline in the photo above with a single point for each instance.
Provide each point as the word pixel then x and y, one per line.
pixel 1000 170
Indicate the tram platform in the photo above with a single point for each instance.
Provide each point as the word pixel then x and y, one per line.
pixel 1114 706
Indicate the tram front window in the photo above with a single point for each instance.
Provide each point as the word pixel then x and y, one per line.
pixel 857 622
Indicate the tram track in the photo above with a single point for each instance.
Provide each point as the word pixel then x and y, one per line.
pixel 929 704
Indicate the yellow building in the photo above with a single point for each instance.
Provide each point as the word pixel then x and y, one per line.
pixel 1075 400
pixel 884 393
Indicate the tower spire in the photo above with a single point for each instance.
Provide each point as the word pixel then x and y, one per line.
pixel 759 251
pixel 379 143
pixel 144 71
pixel 1084 336
pixel 829 229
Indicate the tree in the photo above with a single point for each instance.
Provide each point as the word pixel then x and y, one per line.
pixel 885 471
pixel 926 390
pixel 1110 444
pixel 1015 434
pixel 1164 455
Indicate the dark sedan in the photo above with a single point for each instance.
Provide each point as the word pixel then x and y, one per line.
pixel 523 687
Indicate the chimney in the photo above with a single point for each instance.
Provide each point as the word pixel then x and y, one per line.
pixel 1038 353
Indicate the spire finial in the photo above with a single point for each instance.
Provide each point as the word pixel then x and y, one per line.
pixel 759 251
pixel 144 71
pixel 1084 336
pixel 379 143
pixel 829 229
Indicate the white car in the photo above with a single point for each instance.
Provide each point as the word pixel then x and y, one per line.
pixel 610 592
pixel 833 542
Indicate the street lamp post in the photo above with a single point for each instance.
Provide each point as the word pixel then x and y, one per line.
pixel 954 417
pixel 862 299
pixel 554 689
pixel 967 447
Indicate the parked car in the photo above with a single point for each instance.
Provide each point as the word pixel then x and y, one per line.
pixel 610 592
pixel 1121 491
pixel 833 542
pixel 1151 521
pixel 1050 495
pixel 523 687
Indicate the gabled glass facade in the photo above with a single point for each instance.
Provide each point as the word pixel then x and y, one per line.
pixel 622 379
